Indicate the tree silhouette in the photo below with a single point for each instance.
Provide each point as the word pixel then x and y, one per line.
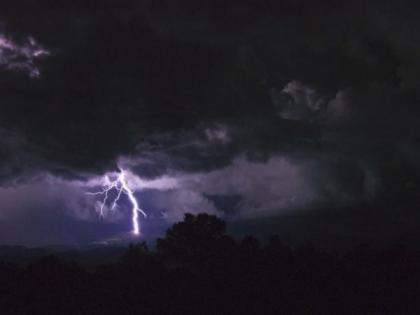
pixel 198 269
pixel 193 240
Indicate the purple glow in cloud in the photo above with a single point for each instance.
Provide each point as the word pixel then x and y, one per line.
pixel 21 56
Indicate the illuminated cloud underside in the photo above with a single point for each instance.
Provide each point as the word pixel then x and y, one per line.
pixel 21 56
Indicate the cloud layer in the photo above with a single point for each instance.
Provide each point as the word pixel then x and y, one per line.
pixel 263 106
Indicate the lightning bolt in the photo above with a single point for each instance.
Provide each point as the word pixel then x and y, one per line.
pixel 120 184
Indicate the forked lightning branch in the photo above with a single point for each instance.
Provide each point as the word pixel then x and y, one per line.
pixel 120 186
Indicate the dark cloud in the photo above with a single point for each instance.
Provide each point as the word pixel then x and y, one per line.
pixel 191 87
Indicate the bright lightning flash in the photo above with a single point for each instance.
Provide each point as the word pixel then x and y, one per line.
pixel 120 185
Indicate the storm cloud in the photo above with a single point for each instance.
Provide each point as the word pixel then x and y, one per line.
pixel 283 105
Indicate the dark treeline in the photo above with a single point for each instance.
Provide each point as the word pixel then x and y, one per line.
pixel 198 269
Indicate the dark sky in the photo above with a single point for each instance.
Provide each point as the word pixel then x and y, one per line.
pixel 252 110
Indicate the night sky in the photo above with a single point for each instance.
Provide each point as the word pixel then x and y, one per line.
pixel 295 117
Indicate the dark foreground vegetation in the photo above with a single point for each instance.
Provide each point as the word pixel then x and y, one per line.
pixel 197 269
